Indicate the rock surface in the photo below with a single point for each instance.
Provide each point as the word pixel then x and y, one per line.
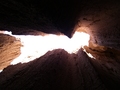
pixel 99 18
pixel 56 70
pixel 9 49
pixel 107 63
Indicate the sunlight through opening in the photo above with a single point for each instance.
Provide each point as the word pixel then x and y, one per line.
pixel 1 71
pixel 89 54
pixel 36 46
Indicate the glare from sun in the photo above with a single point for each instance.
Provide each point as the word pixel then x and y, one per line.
pixel 35 46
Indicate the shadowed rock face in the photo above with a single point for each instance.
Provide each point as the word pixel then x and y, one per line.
pixel 56 70
pixel 101 20
pixel 41 15
pixel 107 63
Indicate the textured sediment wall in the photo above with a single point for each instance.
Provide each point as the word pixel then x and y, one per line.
pixel 9 49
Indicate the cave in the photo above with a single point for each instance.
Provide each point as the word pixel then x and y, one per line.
pixel 95 66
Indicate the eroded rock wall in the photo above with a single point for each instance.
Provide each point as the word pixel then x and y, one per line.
pixel 106 61
pixel 101 18
pixel 56 70
pixel 9 49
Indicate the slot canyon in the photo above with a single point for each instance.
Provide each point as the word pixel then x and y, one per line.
pixel 60 45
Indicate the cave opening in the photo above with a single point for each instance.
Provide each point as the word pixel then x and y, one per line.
pixel 35 46
pixel 94 67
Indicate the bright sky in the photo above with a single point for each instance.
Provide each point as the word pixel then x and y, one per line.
pixel 36 46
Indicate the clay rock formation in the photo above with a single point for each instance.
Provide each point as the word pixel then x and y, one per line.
pixel 9 49
pixel 107 63
pixel 98 18
pixel 101 20
pixel 56 70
